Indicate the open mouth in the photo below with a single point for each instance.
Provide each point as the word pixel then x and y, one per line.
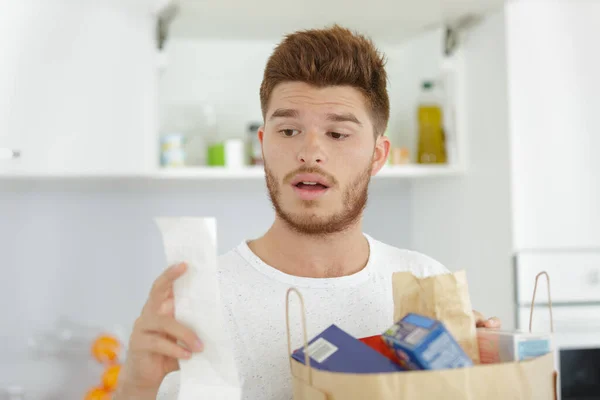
pixel 310 190
pixel 313 186
pixel 310 186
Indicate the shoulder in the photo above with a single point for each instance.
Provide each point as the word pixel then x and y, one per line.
pixel 233 265
pixel 237 257
pixel 230 258
pixel 393 259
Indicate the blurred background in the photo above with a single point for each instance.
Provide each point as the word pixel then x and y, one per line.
pixel 113 113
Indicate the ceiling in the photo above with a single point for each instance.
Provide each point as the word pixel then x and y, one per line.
pixel 389 21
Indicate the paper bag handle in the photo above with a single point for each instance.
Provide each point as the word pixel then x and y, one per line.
pixel 549 301
pixel 305 335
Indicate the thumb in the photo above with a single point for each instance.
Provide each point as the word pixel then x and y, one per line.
pixel 171 365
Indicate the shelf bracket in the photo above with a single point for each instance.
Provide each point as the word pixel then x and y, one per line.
pixel 165 17
pixel 453 32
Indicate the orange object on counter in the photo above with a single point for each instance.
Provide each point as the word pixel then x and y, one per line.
pixel 400 155
pixel 376 343
pixel 110 377
pixel 106 349
pixel 98 393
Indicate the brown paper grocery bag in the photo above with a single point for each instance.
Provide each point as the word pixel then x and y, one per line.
pixel 533 379
pixel 441 297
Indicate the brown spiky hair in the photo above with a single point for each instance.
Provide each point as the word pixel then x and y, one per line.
pixel 333 56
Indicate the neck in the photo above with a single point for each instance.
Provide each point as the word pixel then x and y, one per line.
pixel 315 256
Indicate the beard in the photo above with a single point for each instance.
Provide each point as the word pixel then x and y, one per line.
pixel 354 201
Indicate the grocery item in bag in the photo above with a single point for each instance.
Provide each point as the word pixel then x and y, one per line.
pixel 335 350
pixel 501 346
pixel 377 343
pixel 442 297
pixel 424 343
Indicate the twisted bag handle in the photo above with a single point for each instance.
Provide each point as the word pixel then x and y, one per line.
pixel 305 335
pixel 555 375
pixel 549 301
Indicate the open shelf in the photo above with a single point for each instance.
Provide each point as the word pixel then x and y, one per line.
pixel 389 171
pixel 222 173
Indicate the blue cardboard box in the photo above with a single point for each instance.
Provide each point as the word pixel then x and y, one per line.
pixel 337 351
pixel 422 343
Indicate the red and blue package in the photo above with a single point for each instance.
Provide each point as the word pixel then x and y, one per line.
pixel 336 351
pixel 377 343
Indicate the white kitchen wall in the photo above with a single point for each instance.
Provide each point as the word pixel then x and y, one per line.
pixel 553 91
pixel 466 222
pixel 224 73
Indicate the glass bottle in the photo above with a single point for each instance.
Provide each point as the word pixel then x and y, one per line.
pixel 431 137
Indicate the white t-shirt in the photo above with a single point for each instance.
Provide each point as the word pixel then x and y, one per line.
pixel 253 295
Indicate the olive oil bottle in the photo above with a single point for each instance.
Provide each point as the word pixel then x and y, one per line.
pixel 430 118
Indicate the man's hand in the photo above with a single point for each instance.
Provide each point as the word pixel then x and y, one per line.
pixel 483 322
pixel 157 342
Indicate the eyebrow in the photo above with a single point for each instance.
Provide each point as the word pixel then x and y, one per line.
pixel 284 113
pixel 346 117
pixel 291 113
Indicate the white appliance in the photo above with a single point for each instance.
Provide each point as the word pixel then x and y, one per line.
pixel 575 294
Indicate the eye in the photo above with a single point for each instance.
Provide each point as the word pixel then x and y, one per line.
pixel 338 136
pixel 289 132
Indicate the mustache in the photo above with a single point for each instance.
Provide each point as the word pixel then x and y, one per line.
pixel 310 170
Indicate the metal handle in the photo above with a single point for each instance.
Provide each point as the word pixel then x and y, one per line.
pixel 9 154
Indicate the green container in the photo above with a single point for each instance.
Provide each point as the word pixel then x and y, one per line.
pixel 216 155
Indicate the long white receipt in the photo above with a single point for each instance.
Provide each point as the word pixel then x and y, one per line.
pixel 211 374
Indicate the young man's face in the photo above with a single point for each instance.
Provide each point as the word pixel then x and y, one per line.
pixel 320 152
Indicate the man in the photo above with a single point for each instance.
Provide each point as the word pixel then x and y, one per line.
pixel 325 108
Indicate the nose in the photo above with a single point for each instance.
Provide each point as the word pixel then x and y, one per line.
pixel 312 152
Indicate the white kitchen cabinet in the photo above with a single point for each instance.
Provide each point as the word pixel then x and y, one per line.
pixel 12 27
pixel 553 87
pixel 84 76
pixel 80 82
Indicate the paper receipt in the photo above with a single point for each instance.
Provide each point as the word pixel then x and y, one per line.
pixel 211 374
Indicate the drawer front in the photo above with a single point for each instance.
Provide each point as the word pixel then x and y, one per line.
pixel 574 276
pixel 574 326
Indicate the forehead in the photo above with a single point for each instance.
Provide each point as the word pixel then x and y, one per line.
pixel 309 98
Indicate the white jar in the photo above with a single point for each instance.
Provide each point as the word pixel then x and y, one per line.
pixel 235 153
pixel 172 153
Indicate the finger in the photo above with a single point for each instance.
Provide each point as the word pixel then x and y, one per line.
pixel 156 344
pixel 167 307
pixel 170 326
pixel 165 280
pixel 493 322
pixel 163 285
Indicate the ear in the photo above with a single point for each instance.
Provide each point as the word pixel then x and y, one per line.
pixel 380 155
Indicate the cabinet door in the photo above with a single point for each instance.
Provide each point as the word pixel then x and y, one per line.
pixel 13 26
pixel 553 65
pixel 83 89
